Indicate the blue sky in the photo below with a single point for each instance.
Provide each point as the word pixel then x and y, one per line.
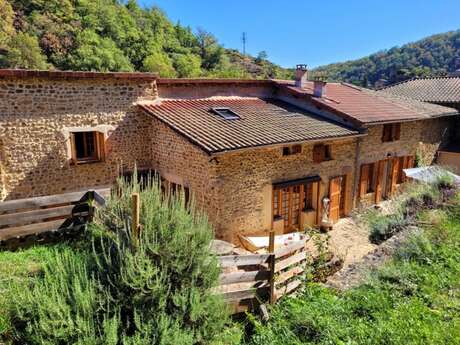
pixel 315 32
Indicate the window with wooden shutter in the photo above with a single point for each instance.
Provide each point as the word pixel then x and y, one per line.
pixel 87 147
pixel 321 153
pixel 391 132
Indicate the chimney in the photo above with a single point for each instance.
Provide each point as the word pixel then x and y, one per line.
pixel 319 88
pixel 301 76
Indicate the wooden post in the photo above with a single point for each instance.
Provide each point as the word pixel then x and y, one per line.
pixel 271 250
pixel 135 216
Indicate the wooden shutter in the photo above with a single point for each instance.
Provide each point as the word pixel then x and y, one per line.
pixel 318 153
pixel 410 162
pixel 394 175
pixel 364 180
pixel 396 131
pixel 378 184
pixel 73 149
pixel 100 142
pixel 334 197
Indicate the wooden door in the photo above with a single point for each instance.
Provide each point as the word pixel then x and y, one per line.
pixel 394 175
pixel 335 192
pixel 287 204
pixel 379 182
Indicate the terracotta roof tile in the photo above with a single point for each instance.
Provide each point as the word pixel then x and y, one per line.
pixel 367 106
pixel 262 122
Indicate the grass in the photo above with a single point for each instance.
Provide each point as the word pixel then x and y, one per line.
pixel 414 299
pixel 21 267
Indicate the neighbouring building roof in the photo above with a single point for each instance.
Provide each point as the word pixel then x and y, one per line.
pixel 262 122
pixel 364 106
pixel 434 90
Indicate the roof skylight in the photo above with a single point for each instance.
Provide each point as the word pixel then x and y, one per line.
pixel 226 113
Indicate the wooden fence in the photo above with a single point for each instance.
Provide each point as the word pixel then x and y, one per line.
pixel 250 280
pixel 37 219
pixel 246 280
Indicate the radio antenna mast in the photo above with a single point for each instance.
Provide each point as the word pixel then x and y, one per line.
pixel 244 38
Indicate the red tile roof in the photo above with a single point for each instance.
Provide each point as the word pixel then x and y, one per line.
pixel 365 106
pixel 262 122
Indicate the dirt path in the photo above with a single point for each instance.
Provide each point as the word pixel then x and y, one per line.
pixel 354 273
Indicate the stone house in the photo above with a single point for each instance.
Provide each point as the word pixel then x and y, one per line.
pixel 255 154
pixel 443 91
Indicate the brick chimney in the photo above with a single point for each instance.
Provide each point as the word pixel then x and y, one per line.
pixel 319 88
pixel 301 76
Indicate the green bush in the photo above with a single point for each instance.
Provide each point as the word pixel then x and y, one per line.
pixel 414 299
pixel 156 290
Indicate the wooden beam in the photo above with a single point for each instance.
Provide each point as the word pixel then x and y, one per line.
pixel 243 260
pixel 289 249
pixel 35 215
pixel 243 277
pixel 239 295
pixel 135 218
pixel 294 259
pixel 31 229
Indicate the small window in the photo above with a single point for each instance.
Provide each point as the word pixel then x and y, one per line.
pixel 391 132
pixel 308 201
pixel 292 150
pixel 322 153
pixel 87 147
pixel 226 113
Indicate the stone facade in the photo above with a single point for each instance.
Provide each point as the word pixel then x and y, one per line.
pixel 235 189
pixel 35 116
pixel 420 139
pixel 246 180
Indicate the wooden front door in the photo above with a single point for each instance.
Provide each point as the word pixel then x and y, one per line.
pixel 287 204
pixel 336 197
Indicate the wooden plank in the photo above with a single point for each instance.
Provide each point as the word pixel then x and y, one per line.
pixel 243 260
pixel 294 259
pixel 290 248
pixel 48 200
pixel 283 277
pixel 288 288
pixel 243 277
pixel 40 201
pixel 30 229
pixel 239 295
pixel 35 215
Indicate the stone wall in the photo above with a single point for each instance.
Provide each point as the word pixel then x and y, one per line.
pixel 418 138
pixel 35 113
pixel 180 162
pixel 246 178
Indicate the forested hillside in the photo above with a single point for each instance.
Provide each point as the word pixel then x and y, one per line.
pixel 434 55
pixel 116 35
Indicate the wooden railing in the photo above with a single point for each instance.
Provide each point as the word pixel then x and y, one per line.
pixel 250 280
pixel 33 219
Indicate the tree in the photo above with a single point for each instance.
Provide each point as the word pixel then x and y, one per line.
pixel 261 57
pixel 24 52
pixel 159 62
pixel 95 53
pixel 210 51
pixel 187 65
pixel 6 20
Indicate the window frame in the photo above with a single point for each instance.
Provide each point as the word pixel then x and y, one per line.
pixel 98 143
pixel 391 132
pixel 322 153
